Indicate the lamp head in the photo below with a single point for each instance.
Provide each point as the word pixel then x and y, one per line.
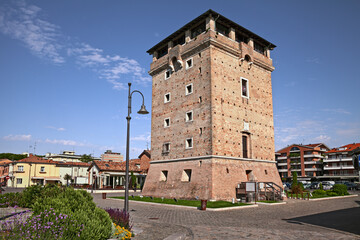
pixel 143 110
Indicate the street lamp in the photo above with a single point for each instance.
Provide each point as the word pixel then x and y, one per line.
pixel 128 118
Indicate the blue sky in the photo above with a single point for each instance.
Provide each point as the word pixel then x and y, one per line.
pixel 65 65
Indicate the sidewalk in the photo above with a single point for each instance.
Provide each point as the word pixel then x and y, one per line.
pixel 263 222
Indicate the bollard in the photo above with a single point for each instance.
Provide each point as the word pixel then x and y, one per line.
pixel 203 205
pixel 103 195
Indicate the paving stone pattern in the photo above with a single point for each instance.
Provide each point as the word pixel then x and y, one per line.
pixel 263 222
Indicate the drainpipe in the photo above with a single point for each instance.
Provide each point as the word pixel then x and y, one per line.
pixel 29 174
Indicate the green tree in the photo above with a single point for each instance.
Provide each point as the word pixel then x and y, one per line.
pixel 12 156
pixel 86 158
pixel 133 179
pixel 68 178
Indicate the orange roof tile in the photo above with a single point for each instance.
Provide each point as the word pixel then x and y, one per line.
pixel 347 148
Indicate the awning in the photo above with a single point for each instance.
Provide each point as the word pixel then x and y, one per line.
pixel 37 177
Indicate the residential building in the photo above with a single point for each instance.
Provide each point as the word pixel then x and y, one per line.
pixel 306 160
pixel 338 163
pixel 106 174
pixel 33 170
pixel 65 156
pixel 77 171
pixel 4 171
pixel 110 156
pixel 212 115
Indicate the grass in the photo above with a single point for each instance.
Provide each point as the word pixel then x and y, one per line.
pixel 191 203
pixel 269 201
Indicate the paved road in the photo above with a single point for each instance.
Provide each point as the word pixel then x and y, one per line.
pixel 298 219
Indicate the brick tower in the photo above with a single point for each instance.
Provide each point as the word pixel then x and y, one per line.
pixel 212 115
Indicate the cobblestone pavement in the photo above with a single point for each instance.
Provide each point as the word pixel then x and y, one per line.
pixel 294 220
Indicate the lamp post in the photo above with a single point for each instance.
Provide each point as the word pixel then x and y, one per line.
pixel 128 118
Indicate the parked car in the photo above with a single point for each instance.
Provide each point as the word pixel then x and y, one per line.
pixel 314 185
pixel 307 185
pixel 350 185
pixel 327 185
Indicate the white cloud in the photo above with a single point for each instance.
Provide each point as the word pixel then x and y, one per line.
pixel 322 138
pixel 313 60
pixel 142 137
pixel 55 128
pixel 22 22
pixel 65 142
pixel 336 111
pixel 17 137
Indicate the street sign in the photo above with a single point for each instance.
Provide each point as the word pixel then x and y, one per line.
pixel 7 177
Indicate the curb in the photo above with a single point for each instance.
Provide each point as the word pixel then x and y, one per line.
pixel 329 198
pixel 263 203
pixel 231 208
pixel 188 207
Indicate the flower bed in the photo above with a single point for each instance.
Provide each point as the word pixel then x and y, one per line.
pixel 59 213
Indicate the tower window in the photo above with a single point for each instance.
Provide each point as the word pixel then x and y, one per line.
pixel 163 176
pixel 198 30
pixel 167 98
pixel 167 74
pixel 180 40
pixel 167 122
pixel 189 63
pixel 166 148
pixel 189 116
pixel 186 175
pixel 245 147
pixel 189 143
pixel 259 48
pixel 222 29
pixel 189 89
pixel 163 51
pixel 244 88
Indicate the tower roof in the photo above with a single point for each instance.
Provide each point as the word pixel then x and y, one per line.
pixel 218 17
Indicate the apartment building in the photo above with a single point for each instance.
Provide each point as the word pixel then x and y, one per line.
pixel 66 156
pixel 306 160
pixel 111 156
pixel 338 163
pixel 212 115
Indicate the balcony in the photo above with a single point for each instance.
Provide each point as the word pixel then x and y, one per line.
pixel 344 159
pixel 312 169
pixel 296 170
pixel 332 168
pixel 313 156
pixel 282 163
pixel 282 170
pixel 295 163
pixel 282 158
pixel 312 162
pixel 338 167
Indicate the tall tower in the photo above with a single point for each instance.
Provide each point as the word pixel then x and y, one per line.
pixel 212 115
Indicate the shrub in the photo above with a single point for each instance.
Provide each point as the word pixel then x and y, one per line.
pixel 30 195
pixel 321 186
pixel 10 200
pixel 78 205
pixel 331 193
pixel 120 217
pixel 319 192
pixel 340 189
pixel 46 225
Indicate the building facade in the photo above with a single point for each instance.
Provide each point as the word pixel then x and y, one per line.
pixel 109 174
pixel 306 160
pixel 212 114
pixel 110 156
pixel 338 163
pixel 32 170
pixel 66 156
